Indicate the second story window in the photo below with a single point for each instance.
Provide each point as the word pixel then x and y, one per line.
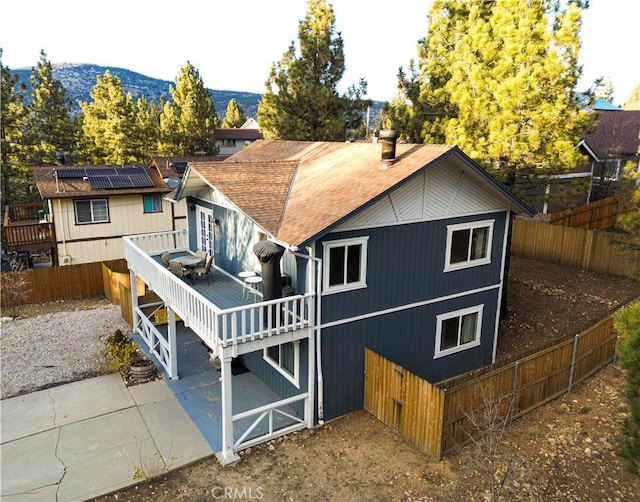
pixel 468 244
pixel 91 211
pixel 345 265
pixel 152 203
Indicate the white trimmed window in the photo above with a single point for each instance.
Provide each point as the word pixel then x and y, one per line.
pixel 286 359
pixel 152 203
pixel 459 330
pixel 469 244
pixel 91 211
pixel 345 265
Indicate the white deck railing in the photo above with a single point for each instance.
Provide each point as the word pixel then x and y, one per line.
pixel 215 326
pixel 269 412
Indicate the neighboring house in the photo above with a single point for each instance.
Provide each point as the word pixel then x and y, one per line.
pixel 230 141
pixel 609 147
pixel 400 249
pixel 92 207
pixel 613 145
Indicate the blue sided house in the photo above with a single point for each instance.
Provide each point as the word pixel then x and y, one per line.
pixel 316 251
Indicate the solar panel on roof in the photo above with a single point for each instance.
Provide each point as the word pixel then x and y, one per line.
pixel 99 182
pixel 70 173
pixel 140 180
pixel 101 171
pixel 179 166
pixel 121 182
pixel 131 170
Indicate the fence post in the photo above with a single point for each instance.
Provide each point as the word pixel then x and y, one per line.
pixel 573 363
pixel 615 349
pixel 516 371
pixel 442 431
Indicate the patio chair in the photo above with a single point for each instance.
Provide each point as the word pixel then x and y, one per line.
pixel 166 258
pixel 201 270
pixel 202 255
pixel 179 270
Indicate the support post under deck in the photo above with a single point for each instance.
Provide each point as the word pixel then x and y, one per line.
pixel 173 346
pixel 227 456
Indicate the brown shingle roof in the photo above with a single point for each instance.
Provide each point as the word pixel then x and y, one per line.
pixel 50 188
pixel 163 164
pixel 238 134
pixel 259 189
pixel 297 189
pixel 616 135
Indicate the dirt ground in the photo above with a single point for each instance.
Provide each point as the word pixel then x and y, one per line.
pixel 563 451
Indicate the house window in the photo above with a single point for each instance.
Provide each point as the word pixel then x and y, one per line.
pixel 345 265
pixel 92 211
pixel 286 359
pixel 469 244
pixel 152 203
pixel 459 330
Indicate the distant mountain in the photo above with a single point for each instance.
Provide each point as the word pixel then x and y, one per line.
pixel 79 79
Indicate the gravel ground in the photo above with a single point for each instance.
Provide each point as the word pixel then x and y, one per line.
pixel 51 349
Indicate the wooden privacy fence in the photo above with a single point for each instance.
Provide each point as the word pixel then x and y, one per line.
pixel 599 215
pixel 436 417
pixel 574 247
pixel 404 401
pixel 74 281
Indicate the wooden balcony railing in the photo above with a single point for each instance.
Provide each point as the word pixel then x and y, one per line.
pixel 25 230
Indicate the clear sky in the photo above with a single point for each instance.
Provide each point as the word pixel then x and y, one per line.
pixel 232 43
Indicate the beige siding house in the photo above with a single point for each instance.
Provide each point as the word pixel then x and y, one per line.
pixel 92 207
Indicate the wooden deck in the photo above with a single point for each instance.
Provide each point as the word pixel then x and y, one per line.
pixel 221 288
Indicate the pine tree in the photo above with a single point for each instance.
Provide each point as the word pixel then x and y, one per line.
pixel 627 323
pixel 115 128
pixel 603 89
pixel 13 114
pixel 107 121
pixel 147 120
pixel 49 127
pixel 498 79
pixel 234 116
pixel 633 101
pixel 188 121
pixel 301 100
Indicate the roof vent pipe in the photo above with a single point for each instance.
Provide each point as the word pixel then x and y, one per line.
pixel 60 160
pixel 388 140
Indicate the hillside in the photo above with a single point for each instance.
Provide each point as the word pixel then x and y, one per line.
pixel 79 79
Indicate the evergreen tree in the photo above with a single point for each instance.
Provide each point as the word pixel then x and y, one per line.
pixel 627 323
pixel 147 120
pixel 12 117
pixel 633 101
pixel 234 117
pixel 301 100
pixel 49 126
pixel 498 79
pixel 603 89
pixel 188 120
pixel 109 128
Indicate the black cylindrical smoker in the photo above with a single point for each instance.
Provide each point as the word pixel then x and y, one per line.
pixel 269 254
